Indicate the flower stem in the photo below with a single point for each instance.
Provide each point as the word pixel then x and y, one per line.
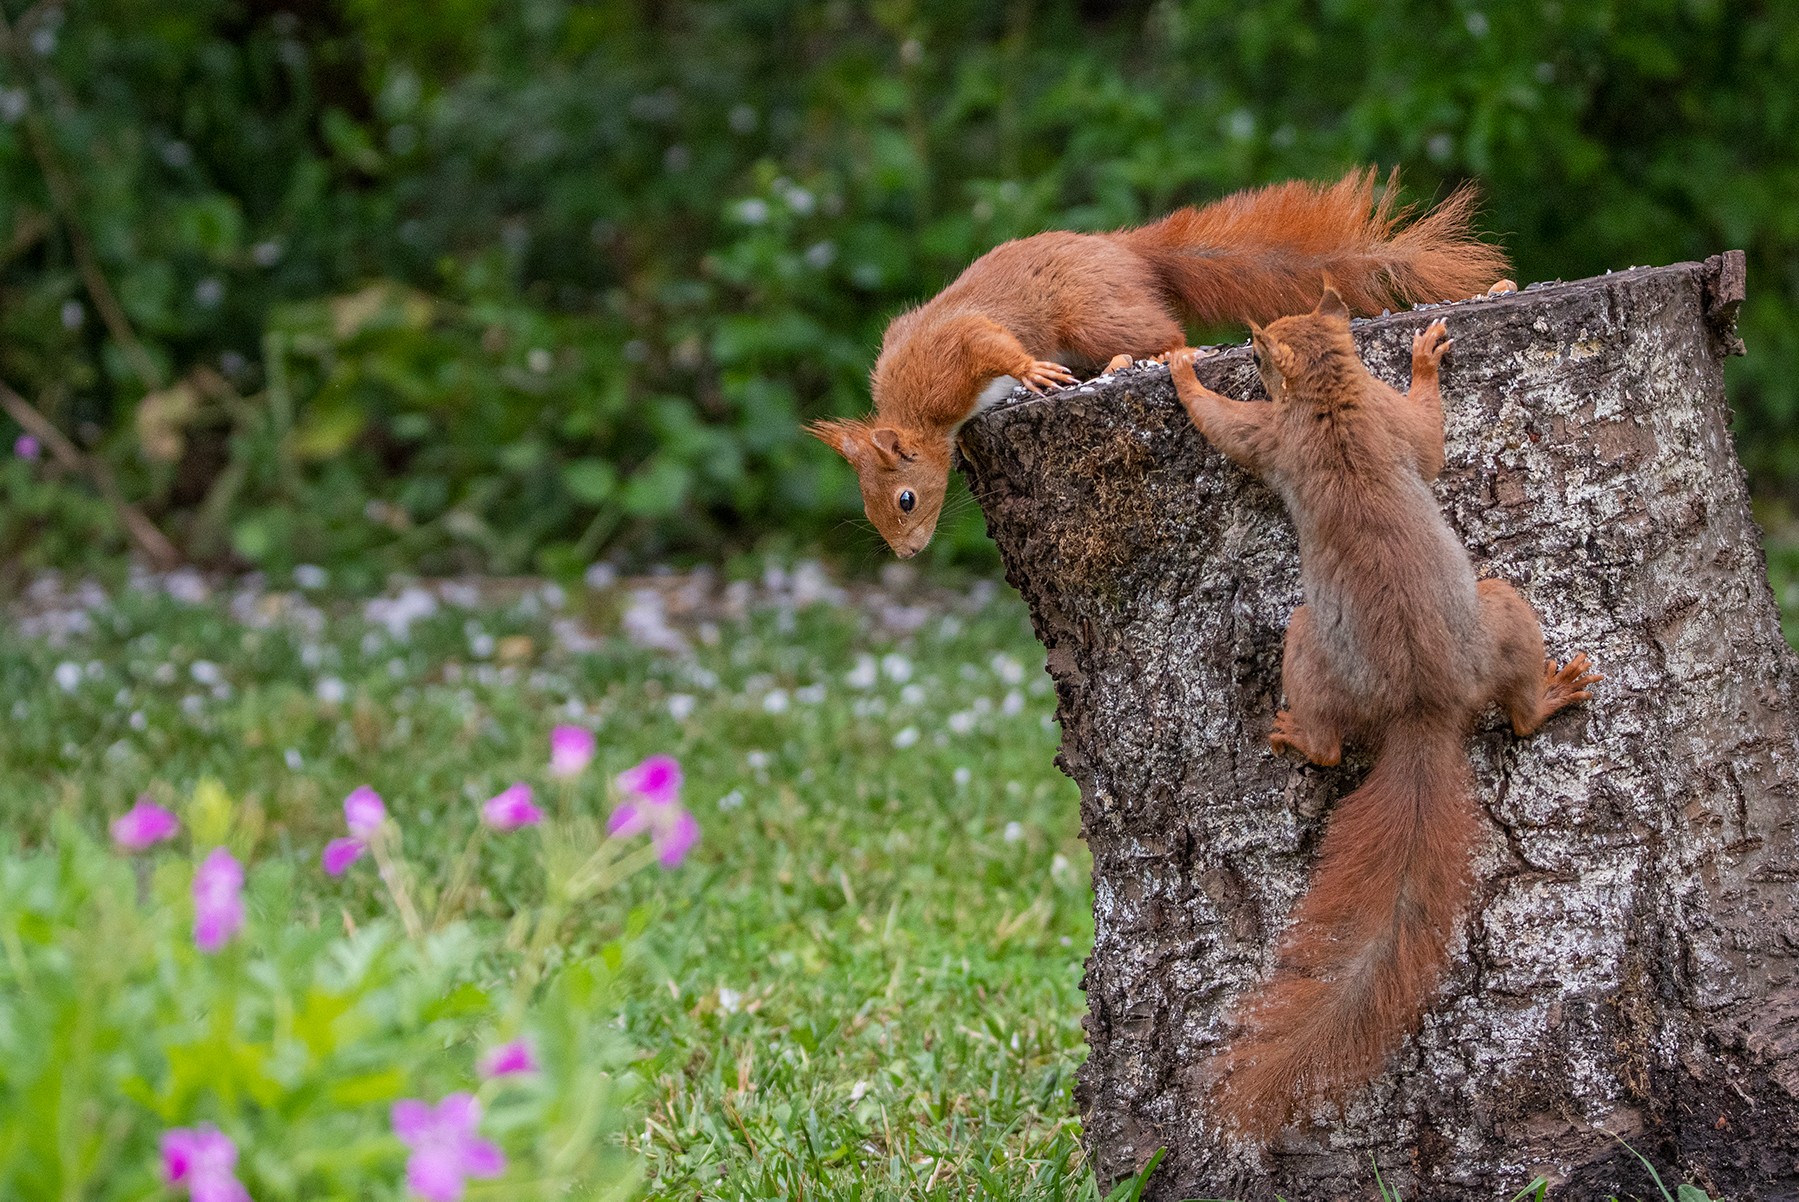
pixel 392 877
pixel 459 878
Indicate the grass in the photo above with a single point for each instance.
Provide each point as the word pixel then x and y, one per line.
pixel 862 984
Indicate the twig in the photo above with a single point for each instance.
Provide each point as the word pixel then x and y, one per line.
pixel 155 545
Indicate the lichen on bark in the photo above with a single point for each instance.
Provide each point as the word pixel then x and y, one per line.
pixel 1630 965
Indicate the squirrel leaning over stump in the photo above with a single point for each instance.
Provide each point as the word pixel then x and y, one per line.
pixel 1038 310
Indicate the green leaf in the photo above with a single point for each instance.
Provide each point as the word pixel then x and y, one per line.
pixel 657 489
pixel 383 1085
pixel 590 481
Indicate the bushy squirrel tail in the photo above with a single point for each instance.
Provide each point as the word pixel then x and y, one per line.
pixel 1367 942
pixel 1260 254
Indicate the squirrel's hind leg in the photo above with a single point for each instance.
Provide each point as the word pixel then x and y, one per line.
pixel 1528 686
pixel 1310 725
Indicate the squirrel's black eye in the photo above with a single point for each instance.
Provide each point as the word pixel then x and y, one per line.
pixel 907 500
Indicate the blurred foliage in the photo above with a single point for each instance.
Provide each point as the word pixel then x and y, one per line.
pixel 471 285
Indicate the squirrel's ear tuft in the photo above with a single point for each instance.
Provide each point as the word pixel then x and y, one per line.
pixel 1331 304
pixel 847 437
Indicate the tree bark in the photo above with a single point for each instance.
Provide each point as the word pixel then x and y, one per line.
pixel 1627 968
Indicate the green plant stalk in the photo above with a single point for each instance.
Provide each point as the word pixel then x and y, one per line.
pixel 392 876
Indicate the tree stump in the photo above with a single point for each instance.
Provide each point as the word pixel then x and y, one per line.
pixel 1627 969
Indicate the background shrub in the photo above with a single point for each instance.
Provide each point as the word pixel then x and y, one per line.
pixel 471 285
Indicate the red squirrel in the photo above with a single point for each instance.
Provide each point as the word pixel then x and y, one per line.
pixel 1038 310
pixel 1397 646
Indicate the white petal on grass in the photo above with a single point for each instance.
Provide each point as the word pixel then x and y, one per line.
pixel 960 723
pixel 732 800
pixel 1013 704
pixel 865 675
pixel 397 614
pixel 68 675
pixel 776 701
pixel 331 690
pixel 906 738
pixel 1014 832
pixel 681 706
pixel 729 1000
pixel 962 776
pixel 897 667
pixel 912 694
pixel 1006 668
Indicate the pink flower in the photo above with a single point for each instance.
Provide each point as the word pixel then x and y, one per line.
pixel 571 750
pixel 143 824
pixel 444 1146
pixel 204 1159
pixel 26 447
pixel 675 840
pixel 340 854
pixel 672 829
pixel 511 809
pixel 218 900
pixel 363 812
pixel 657 779
pixel 509 1060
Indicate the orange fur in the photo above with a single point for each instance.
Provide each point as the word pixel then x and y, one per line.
pixel 1397 646
pixel 1039 309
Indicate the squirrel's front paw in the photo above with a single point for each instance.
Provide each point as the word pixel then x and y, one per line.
pixel 1042 375
pixel 1430 344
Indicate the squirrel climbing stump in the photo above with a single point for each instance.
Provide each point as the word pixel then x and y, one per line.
pixel 1629 967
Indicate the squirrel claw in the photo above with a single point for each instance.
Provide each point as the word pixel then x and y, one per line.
pixel 1430 344
pixel 1043 375
pixel 1565 684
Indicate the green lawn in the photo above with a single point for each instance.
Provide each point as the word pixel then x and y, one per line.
pixel 862 983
